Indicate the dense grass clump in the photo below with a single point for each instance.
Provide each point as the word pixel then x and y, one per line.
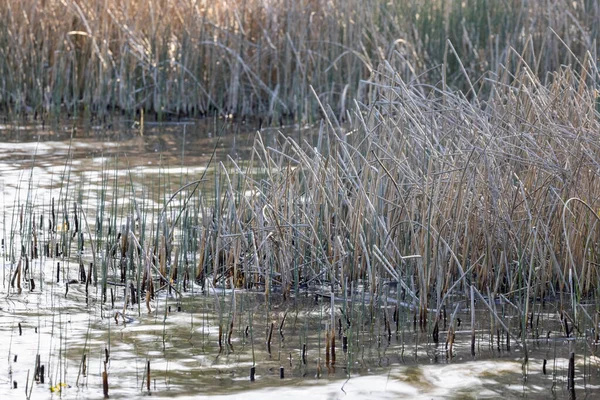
pixel 436 192
pixel 257 57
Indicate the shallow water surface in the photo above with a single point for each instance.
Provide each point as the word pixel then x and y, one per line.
pixel 180 340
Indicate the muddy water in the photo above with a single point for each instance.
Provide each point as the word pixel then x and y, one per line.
pixel 181 342
pixel 204 343
pixel 37 157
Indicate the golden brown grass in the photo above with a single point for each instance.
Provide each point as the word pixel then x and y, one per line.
pixel 259 57
pixel 433 190
pixel 458 149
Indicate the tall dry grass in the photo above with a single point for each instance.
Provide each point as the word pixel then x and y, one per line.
pixel 467 160
pixel 259 57
pixel 432 190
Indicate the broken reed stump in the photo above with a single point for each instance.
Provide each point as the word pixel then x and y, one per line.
pixel 282 337
pixel 82 276
pixel 105 382
pixel 386 324
pixel 148 376
pixel 148 298
pixel 220 338
pixel 571 375
pixel 332 346
pixel 132 290
pixel 565 321
pixel 472 321
pixel 498 339
pixel 269 338
pixel 16 278
pixel 304 354
pixel 327 344
pixel 415 322
pixel 252 373
pixel 544 366
pixel 36 374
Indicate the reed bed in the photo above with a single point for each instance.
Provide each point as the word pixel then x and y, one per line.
pixel 259 58
pixel 458 166
pixel 443 196
pixel 424 203
pixel 433 191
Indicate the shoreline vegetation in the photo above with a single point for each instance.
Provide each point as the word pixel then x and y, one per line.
pixel 259 58
pixel 442 196
pixel 455 159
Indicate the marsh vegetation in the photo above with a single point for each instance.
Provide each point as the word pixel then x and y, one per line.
pixel 433 201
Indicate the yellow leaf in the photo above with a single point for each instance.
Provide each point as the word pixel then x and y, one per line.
pixel 57 387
